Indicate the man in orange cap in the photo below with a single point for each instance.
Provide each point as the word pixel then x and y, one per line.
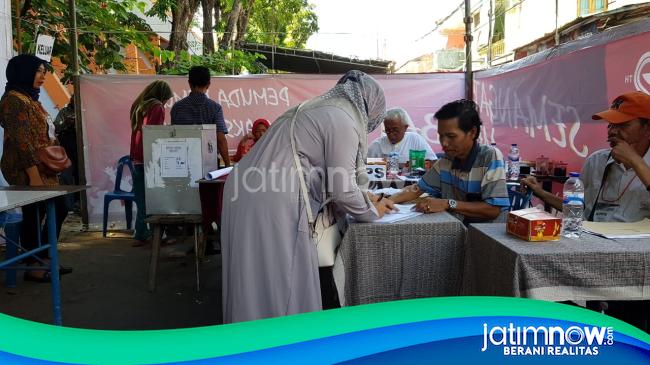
pixel 617 180
pixel 617 183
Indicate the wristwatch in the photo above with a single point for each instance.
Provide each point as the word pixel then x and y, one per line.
pixel 452 204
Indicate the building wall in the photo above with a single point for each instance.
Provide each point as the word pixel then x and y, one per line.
pixel 525 21
pixel 5 39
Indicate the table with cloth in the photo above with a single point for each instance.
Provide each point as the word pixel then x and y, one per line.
pixel 589 268
pixel 414 258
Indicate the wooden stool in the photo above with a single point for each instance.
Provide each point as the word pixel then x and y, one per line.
pixel 157 222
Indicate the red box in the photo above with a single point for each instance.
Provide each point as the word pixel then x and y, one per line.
pixel 534 224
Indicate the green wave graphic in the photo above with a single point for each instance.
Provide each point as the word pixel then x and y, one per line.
pixel 75 345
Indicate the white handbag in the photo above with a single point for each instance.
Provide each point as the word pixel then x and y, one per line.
pixel 324 229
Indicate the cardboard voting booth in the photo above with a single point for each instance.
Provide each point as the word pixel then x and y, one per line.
pixel 175 158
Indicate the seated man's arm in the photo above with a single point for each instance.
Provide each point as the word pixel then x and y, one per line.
pixel 478 210
pixel 547 197
pixel 494 195
pixel 407 194
pixel 429 183
pixel 624 153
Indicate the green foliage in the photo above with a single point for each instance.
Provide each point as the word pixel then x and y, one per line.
pixel 287 23
pixel 105 27
pixel 222 62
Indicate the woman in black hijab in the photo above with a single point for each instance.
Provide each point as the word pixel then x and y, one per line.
pixel 28 128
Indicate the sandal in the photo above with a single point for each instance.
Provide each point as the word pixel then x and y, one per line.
pixel 46 278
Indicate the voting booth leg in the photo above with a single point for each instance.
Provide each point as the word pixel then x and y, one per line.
pixel 155 253
pixel 196 256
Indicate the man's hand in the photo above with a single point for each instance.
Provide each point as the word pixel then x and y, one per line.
pixel 623 153
pixel 532 183
pixel 432 205
pixel 384 206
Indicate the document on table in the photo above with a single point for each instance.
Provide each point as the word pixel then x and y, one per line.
pixel 405 212
pixel 639 229
pixel 173 159
pixel 213 175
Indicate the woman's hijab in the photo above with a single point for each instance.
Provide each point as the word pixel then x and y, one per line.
pixel 21 71
pixel 259 122
pixel 155 93
pixel 367 97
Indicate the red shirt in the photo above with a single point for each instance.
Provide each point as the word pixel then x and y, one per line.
pixel 155 116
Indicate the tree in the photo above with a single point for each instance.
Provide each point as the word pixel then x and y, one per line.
pixel 183 12
pixel 287 23
pixel 104 28
pixel 208 7
pixel 230 33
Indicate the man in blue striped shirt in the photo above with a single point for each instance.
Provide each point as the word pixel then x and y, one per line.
pixel 469 180
pixel 197 108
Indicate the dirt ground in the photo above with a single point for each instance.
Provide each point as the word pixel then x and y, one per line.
pixel 108 287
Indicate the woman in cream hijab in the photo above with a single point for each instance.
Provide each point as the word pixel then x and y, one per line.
pixel 270 267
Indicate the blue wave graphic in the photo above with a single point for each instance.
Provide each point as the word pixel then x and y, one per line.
pixel 457 340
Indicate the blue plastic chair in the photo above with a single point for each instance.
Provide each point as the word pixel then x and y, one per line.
pixel 518 200
pixel 118 194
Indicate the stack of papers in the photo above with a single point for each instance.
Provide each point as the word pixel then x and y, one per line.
pixel 213 175
pixel 404 212
pixel 639 229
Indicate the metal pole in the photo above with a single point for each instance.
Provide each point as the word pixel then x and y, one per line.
pixel 54 261
pixel 81 166
pixel 489 50
pixel 468 51
pixel 19 40
pixel 557 34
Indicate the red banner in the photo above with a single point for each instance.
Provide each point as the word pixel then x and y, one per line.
pixel 106 101
pixel 546 108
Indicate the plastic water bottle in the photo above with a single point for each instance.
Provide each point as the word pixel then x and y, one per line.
pixel 573 206
pixel 513 163
pixel 393 165
pixel 494 145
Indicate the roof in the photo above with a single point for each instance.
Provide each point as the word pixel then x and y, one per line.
pixel 314 62
pixel 619 16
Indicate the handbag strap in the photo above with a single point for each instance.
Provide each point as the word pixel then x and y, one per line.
pixel 301 177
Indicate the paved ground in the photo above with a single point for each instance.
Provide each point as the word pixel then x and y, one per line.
pixel 108 288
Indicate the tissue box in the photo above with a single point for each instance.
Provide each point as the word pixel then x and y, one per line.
pixel 534 224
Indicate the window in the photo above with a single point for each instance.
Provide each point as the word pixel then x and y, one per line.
pixel 586 7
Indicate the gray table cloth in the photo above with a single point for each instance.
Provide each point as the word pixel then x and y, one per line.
pixel 589 268
pixel 414 258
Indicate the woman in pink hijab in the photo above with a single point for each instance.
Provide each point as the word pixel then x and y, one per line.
pixel 259 128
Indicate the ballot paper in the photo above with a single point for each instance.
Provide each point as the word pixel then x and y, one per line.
pixel 386 191
pixel 639 229
pixel 405 212
pixel 213 175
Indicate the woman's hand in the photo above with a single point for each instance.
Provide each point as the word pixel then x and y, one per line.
pixel 384 206
pixel 372 197
pixel 34 176
pixel 432 205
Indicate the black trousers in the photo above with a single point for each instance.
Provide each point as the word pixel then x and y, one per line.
pixel 34 222
pixel 328 293
pixel 634 312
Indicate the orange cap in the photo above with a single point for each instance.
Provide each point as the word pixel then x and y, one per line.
pixel 626 107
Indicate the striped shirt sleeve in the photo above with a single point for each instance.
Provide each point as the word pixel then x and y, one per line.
pixel 493 184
